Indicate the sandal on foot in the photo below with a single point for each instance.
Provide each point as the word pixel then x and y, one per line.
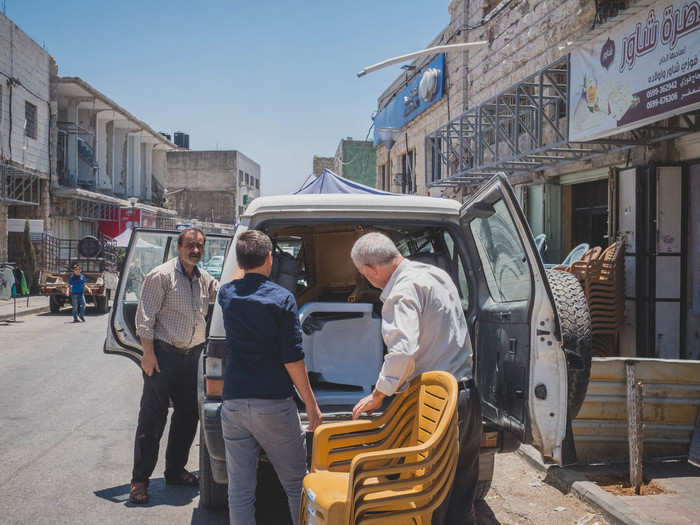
pixel 138 493
pixel 188 479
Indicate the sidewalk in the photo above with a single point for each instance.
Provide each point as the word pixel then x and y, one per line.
pixel 676 483
pixel 37 304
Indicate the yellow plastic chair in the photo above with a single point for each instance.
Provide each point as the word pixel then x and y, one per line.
pixel 394 469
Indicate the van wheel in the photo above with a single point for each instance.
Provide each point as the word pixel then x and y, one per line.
pixel 54 305
pixel 101 304
pixel 211 494
pixel 486 465
pixel 575 320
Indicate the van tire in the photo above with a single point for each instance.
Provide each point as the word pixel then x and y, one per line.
pixel 577 339
pixel 212 495
pixel 486 466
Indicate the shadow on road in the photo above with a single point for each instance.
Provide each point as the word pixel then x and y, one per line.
pixel 158 494
pixel 485 515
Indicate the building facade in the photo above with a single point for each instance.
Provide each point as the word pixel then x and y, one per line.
pixel 591 109
pixel 110 166
pixel 213 186
pixel 356 160
pixel 323 163
pixel 25 130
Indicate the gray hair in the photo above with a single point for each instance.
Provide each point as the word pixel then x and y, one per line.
pixel 374 249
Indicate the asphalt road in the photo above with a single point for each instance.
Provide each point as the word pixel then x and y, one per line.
pixel 67 421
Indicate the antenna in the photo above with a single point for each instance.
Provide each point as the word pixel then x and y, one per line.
pixel 4 7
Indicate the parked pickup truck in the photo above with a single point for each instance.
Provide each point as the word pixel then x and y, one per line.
pixel 530 329
pixel 96 258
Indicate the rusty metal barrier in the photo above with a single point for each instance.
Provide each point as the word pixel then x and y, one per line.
pixel 670 397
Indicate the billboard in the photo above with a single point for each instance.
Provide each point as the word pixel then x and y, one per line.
pixel 423 91
pixel 644 70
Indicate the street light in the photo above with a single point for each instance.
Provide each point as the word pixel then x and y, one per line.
pixel 428 51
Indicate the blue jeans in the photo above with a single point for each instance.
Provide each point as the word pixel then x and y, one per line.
pixel 274 425
pixel 78 301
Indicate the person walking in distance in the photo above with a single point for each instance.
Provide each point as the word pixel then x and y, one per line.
pixel 171 324
pixel 264 361
pixel 424 329
pixel 77 283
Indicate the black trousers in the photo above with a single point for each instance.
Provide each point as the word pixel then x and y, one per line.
pixel 177 380
pixel 458 507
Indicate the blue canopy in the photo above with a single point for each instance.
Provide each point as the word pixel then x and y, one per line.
pixel 329 182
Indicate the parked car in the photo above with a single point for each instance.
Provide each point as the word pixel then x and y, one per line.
pixel 530 330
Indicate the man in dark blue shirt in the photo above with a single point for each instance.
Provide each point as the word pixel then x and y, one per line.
pixel 77 282
pixel 264 362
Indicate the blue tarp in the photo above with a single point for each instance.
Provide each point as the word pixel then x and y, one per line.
pixel 329 182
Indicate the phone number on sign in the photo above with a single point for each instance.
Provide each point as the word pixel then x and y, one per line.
pixel 671 97
pixel 663 88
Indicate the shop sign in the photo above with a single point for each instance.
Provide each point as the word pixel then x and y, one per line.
pixel 645 70
pixel 424 91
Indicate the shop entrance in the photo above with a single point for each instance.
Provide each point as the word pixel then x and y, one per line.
pixel 589 203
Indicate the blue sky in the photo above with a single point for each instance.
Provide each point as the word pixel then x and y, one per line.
pixel 272 79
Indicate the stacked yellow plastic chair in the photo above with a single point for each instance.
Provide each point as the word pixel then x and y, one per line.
pixel 394 469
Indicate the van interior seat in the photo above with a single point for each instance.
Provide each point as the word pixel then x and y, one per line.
pixel 342 342
pixel 436 259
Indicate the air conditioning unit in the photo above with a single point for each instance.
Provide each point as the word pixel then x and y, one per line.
pixel 398 178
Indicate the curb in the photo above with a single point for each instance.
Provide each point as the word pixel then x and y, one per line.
pixel 26 311
pixel 615 509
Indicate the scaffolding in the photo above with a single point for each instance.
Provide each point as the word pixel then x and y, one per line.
pixel 19 186
pixel 524 129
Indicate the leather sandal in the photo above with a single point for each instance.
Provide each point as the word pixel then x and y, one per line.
pixel 138 493
pixel 188 479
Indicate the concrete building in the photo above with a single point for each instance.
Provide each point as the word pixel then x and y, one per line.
pixel 356 160
pixel 110 166
pixel 25 136
pixel 600 139
pixel 213 186
pixel 323 163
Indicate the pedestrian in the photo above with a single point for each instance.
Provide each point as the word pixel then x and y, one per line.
pixel 264 360
pixel 171 324
pixel 424 329
pixel 77 285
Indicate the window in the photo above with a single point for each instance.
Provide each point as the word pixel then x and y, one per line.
pixel 257 184
pixel 382 176
pixel 408 163
pixel 503 256
pixel 240 177
pixel 30 120
pixel 247 178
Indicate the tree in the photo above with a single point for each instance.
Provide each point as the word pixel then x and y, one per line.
pixel 29 257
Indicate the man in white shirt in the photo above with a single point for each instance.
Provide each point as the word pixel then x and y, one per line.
pixel 424 329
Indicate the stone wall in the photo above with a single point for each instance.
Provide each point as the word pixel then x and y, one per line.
pixel 323 163
pixel 3 233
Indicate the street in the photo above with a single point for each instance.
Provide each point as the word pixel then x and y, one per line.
pixel 67 420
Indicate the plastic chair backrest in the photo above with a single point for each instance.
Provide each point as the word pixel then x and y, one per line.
pixel 576 253
pixel 425 463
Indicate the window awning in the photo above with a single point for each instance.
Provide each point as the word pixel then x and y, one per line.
pixel 18 186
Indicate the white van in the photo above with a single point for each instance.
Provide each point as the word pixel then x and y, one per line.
pixel 530 329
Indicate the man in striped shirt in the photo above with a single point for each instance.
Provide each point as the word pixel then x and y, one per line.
pixel 171 324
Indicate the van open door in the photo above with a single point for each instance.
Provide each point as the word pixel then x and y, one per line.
pixel 148 249
pixel 520 366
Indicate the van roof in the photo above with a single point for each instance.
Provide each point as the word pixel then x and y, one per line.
pixel 348 202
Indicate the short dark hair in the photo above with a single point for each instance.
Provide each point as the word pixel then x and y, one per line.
pixel 76 265
pixel 187 231
pixel 252 248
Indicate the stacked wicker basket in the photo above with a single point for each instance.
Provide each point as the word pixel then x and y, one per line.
pixel 602 277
